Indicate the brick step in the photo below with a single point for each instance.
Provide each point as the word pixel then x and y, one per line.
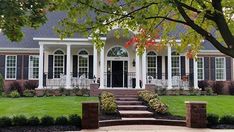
pixel 126 96
pixel 141 121
pixel 128 102
pixel 137 119
pixel 135 114
pixel 127 99
pixel 132 107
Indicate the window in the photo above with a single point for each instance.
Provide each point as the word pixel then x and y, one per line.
pixel 33 67
pixel 10 72
pixel 117 52
pixel 175 61
pixel 220 68
pixel 83 62
pixel 200 68
pixel 58 63
pixel 152 64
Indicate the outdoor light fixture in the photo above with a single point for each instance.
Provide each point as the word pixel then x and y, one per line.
pixel 133 63
pixel 94 79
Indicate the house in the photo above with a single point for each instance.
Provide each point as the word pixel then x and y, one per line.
pixel 75 62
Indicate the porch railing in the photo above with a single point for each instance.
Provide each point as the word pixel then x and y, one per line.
pixel 58 80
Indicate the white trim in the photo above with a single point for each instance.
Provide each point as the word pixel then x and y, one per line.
pixel 82 50
pixel 147 67
pixel 179 56
pixel 29 78
pixel 54 61
pixel 224 73
pixel 17 49
pixel 15 68
pixel 78 43
pixel 59 49
pixel 66 39
pixel 117 58
pixel 203 71
pixel 79 62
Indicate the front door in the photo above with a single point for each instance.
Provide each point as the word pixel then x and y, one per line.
pixel 117 73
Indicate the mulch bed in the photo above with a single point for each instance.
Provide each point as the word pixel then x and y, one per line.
pixel 39 128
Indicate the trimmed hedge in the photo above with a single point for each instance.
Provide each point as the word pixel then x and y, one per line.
pixel 214 120
pixel 108 104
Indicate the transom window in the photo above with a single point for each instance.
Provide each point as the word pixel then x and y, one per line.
pixel 220 68
pixel 117 52
pixel 200 68
pixel 175 61
pixel 33 67
pixel 83 62
pixel 152 64
pixel 58 63
pixel 10 72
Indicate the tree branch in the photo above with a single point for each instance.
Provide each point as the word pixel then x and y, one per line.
pixel 167 18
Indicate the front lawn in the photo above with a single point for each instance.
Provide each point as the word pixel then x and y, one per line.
pixel 221 105
pixel 40 106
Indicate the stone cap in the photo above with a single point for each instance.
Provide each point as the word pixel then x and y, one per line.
pixel 195 102
pixel 90 102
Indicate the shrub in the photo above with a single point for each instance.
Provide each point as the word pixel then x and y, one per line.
pixel 231 88
pixel 227 119
pixel 212 119
pixel 147 95
pixel 20 120
pixel 217 87
pixel 62 120
pixel 158 106
pixel 15 86
pixel 47 120
pixel 203 85
pixel 29 93
pixel 75 120
pixel 105 95
pixel 108 105
pixel 1 83
pixel 209 91
pixel 30 85
pixel 5 122
pixel 85 91
pixel 14 94
pixel 33 121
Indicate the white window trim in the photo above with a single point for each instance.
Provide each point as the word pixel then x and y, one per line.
pixel 33 67
pixel 54 61
pixel 156 68
pixel 203 71
pixel 224 73
pixel 179 63
pixel 79 63
pixel 15 68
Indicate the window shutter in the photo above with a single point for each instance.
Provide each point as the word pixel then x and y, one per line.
pixel 19 67
pixel 2 65
pixel 166 65
pixel 207 68
pixel 74 66
pixel 65 64
pixel 90 66
pixel 228 68
pixel 182 63
pixel 191 72
pixel 50 67
pixel 212 60
pixel 159 67
pixel 26 67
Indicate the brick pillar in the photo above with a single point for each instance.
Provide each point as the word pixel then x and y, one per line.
pixel 196 114
pixel 90 119
pixel 150 87
pixel 94 89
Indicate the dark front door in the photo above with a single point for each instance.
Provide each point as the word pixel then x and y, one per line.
pixel 117 73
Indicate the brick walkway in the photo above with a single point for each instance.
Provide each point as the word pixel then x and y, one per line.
pixel 152 128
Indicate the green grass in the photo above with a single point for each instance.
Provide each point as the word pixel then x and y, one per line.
pixel 221 105
pixel 40 106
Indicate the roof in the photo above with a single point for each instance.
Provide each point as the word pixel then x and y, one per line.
pixel 46 31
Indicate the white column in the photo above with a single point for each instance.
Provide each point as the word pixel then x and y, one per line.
pixel 95 61
pixel 195 74
pixel 102 68
pixel 169 68
pixel 137 70
pixel 68 76
pixel 144 69
pixel 41 63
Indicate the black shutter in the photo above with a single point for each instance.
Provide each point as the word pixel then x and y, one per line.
pixel 191 72
pixel 159 67
pixel 228 68
pixel 75 59
pixel 182 63
pixel 166 69
pixel 90 66
pixel 65 64
pixel 50 67
pixel 19 67
pixel 2 65
pixel 26 67
pixel 207 68
pixel 212 61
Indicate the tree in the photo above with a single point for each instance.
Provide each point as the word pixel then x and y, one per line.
pixel 211 20
pixel 16 14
